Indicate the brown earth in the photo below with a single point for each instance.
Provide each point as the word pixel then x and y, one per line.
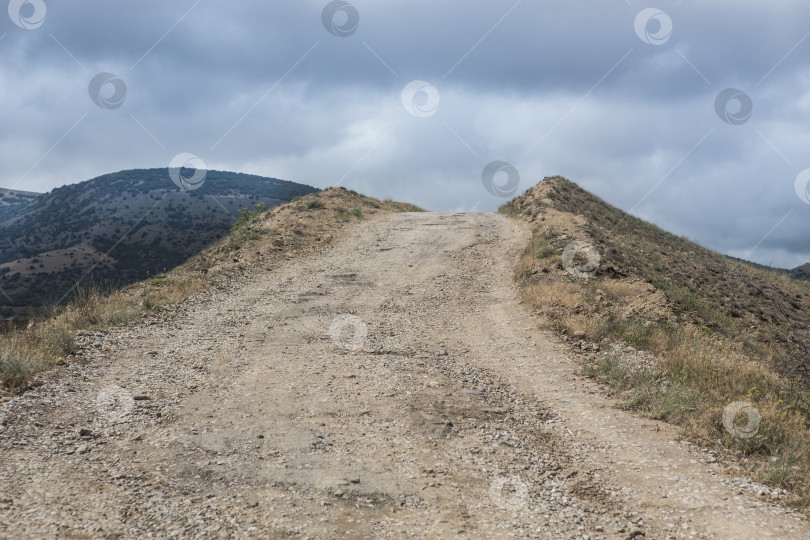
pixel 390 385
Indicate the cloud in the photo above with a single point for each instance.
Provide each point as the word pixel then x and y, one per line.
pixel 549 87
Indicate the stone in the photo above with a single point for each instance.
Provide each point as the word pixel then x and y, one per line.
pixel 634 533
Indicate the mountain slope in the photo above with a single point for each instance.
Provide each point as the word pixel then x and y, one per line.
pixel 729 298
pixel 119 228
pixel 12 201
pixel 801 272
pixel 676 331
pixel 263 238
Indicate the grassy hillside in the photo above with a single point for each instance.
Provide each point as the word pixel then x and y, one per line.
pixel 117 229
pixel 678 331
pixel 257 238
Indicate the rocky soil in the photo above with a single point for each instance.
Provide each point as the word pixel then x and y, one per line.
pixel 389 386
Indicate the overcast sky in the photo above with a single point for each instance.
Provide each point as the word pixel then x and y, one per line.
pixel 414 99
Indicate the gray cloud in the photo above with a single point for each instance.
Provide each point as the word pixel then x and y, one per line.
pixel 554 88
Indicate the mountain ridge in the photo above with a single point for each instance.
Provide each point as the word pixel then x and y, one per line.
pixel 118 228
pixel 700 286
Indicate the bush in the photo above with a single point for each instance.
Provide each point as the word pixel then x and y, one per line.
pixel 18 364
pixel 314 204
pixel 246 215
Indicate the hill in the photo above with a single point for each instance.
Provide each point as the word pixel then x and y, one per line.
pixel 259 238
pixel 676 331
pixel 12 201
pixel 665 278
pixel 801 272
pixel 117 229
pixel 310 346
pixel 262 298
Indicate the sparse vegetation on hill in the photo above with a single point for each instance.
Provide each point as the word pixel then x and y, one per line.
pixel 13 201
pixel 714 330
pixel 117 229
pixel 259 237
pixel 801 272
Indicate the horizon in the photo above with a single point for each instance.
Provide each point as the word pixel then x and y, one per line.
pixel 169 184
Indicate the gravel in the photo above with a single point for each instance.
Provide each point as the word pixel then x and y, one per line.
pixel 250 413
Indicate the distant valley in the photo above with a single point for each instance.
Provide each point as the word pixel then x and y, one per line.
pixel 116 229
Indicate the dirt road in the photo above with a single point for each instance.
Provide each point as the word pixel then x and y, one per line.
pixel 391 386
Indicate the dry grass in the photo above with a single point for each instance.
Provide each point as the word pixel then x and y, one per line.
pixel 258 237
pixel 719 330
pixel 20 359
pixel 561 294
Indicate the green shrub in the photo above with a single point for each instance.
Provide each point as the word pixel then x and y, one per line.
pixel 246 215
